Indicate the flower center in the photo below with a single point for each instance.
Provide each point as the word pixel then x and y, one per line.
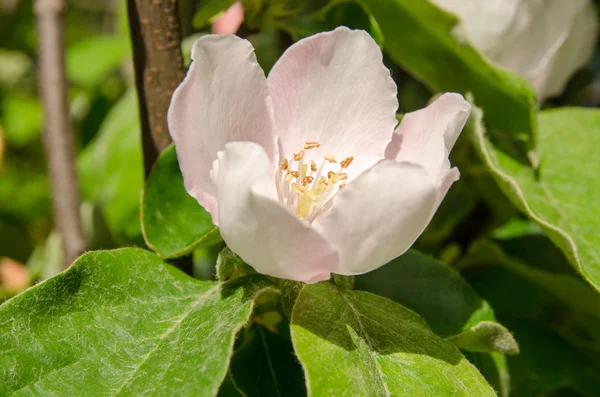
pixel 304 188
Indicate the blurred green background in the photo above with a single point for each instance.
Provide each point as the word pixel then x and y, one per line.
pixel 103 112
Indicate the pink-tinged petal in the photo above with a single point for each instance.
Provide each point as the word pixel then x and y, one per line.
pixel 230 21
pixel 334 89
pixel 571 51
pixel 224 98
pixel 426 136
pixel 379 215
pixel 257 227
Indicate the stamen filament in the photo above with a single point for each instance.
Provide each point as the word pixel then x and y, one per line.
pixel 303 189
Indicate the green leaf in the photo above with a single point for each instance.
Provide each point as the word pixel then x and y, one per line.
pixel 15 240
pixel 424 40
pixel 357 342
pixel 335 13
pixel 265 365
pixel 540 289
pixel 90 61
pixel 565 191
pixel 435 291
pixel 173 222
pixel 228 388
pixel 459 203
pixel 207 9
pixel 16 66
pixel 21 119
pixel 494 368
pixel 485 337
pixel 230 265
pixel 443 298
pixel 554 317
pixel 24 190
pixel 546 362
pixel 111 170
pixel 121 323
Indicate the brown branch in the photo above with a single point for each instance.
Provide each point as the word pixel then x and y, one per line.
pixel 156 40
pixel 58 140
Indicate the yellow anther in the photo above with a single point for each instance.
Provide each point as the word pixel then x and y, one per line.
pixel 347 162
pixel 330 158
pixel 309 196
pixel 284 165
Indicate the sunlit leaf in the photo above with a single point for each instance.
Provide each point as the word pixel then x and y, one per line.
pixel 564 193
pixel 121 323
pixel 359 342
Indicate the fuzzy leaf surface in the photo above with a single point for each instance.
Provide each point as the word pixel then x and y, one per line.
pixel 121 323
pixel 359 343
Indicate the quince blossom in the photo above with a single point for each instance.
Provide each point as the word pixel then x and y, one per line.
pixel 304 171
pixel 229 21
pixel 546 41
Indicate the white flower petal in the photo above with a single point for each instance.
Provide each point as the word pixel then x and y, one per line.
pixel 257 227
pixel 426 136
pixel 334 89
pixel 379 215
pixel 546 41
pixel 571 51
pixel 224 98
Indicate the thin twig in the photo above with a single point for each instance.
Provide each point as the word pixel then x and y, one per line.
pixel 156 40
pixel 58 140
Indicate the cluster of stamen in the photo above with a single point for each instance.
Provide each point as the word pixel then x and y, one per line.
pixel 303 188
